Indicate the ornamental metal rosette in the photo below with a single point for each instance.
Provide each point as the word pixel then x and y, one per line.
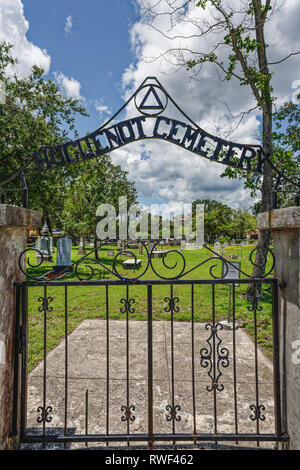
pixel 214 357
pixel 44 414
pixel 128 416
pixel 173 410
pixel 257 412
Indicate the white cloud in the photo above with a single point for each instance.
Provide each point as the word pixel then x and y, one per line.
pixel 172 173
pixel 102 109
pixel 70 86
pixel 69 24
pixel 13 29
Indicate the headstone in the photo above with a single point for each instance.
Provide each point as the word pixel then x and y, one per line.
pixel 233 241
pixel 233 257
pixel 226 244
pixel 38 243
pixel 232 271
pixel 63 254
pixel 183 244
pixel 110 252
pixel 51 244
pixel 81 249
pixel 44 245
pixel 217 247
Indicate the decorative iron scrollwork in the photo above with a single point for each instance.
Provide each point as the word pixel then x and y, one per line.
pixel 166 257
pixel 45 304
pixel 127 306
pixel 128 416
pixel 257 412
pixel 172 306
pixel 44 414
pixel 214 357
pixel 173 413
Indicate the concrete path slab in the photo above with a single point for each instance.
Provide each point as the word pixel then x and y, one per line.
pixel 87 370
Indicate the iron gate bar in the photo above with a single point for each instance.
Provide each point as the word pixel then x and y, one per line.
pixel 193 361
pixel 234 362
pixel 214 361
pixel 150 367
pixel 276 360
pixel 257 414
pixel 141 282
pixel 17 351
pixel 24 362
pixel 160 437
pixel 66 361
pixel 107 360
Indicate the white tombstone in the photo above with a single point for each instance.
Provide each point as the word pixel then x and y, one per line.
pixel 217 247
pixel 38 243
pixel 51 244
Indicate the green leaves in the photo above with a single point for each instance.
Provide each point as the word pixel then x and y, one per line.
pixel 35 114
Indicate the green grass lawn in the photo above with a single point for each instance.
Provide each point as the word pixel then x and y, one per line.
pixel 87 302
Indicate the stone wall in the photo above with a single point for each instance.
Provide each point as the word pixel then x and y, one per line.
pixel 13 224
pixel 285 226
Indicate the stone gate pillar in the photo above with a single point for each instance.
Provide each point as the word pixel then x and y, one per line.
pixel 285 226
pixel 13 237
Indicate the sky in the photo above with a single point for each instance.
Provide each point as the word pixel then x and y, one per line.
pixel 100 52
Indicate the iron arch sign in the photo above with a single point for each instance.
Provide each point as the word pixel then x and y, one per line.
pixel 151 102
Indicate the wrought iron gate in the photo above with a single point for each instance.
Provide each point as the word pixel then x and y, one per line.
pixel 210 367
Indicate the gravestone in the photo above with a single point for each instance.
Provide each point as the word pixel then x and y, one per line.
pixel 233 241
pixel 63 254
pixel 110 252
pixel 51 244
pixel 183 244
pixel 140 249
pixel 217 247
pixel 44 245
pixel 38 243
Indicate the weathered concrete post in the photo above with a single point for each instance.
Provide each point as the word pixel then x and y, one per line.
pixel 13 223
pixel 285 226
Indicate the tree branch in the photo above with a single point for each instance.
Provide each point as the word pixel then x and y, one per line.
pixel 285 58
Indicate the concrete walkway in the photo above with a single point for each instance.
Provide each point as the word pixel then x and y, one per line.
pixel 87 368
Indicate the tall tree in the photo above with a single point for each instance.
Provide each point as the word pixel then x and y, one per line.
pixel 93 183
pixel 33 114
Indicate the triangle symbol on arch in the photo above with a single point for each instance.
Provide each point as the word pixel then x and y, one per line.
pixel 152 92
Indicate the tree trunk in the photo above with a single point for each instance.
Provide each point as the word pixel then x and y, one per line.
pixel 267 185
pixel 266 205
